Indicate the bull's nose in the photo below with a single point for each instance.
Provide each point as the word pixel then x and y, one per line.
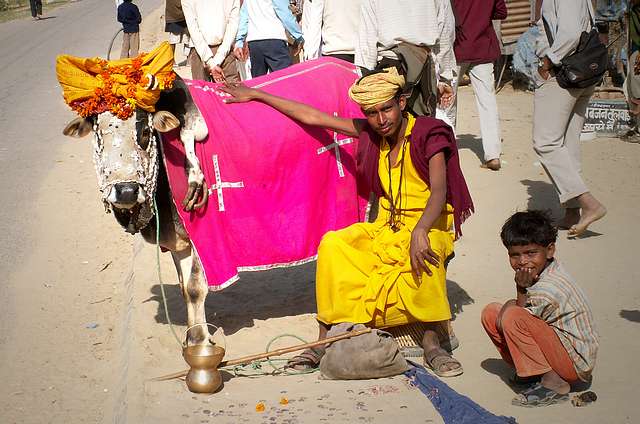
pixel 126 193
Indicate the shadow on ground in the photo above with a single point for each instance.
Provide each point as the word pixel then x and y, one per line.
pixel 458 298
pixel 266 294
pixel 630 315
pixel 471 142
pixel 257 295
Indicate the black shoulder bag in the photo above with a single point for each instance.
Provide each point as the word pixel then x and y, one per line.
pixel 586 66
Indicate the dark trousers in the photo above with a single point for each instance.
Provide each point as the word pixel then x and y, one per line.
pixel 268 55
pixel 36 7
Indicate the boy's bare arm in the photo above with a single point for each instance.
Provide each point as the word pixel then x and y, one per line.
pixel 299 111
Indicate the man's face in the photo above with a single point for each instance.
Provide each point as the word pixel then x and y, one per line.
pixel 386 118
pixel 533 257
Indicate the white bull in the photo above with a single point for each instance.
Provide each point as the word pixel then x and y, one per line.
pixel 131 173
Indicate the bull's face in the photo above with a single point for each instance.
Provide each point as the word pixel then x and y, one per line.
pixel 126 160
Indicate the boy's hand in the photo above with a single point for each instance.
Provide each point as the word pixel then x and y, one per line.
pixel 420 251
pixel 525 277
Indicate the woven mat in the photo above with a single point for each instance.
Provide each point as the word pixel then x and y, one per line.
pixel 409 339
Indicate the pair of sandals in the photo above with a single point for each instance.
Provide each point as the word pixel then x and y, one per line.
pixel 538 395
pixel 437 360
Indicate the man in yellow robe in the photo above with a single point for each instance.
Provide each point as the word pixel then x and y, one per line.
pixel 392 271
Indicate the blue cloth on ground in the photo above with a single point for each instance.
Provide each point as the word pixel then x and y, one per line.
pixel 452 406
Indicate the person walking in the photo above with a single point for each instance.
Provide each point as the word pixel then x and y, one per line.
pixel 330 28
pixel 212 28
pixel 559 113
pixel 36 9
pixel 264 25
pixel 130 18
pixel 476 48
pixel 175 24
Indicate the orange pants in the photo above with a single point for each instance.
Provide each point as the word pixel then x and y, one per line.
pixel 527 342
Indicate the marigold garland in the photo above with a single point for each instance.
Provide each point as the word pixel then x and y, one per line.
pixel 105 98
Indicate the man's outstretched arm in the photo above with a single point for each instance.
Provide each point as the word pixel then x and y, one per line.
pixel 301 112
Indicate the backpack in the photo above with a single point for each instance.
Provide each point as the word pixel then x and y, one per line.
pixel 586 66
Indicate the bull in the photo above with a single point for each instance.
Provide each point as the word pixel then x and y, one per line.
pixel 131 174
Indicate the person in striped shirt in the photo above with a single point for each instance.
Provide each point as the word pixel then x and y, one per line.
pixel 547 333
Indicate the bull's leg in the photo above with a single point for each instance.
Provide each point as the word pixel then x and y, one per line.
pixel 194 290
pixel 197 194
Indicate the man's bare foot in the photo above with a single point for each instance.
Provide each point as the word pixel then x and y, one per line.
pixel 493 164
pixel 591 211
pixel 571 218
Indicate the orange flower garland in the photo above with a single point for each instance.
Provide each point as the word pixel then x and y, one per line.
pixel 106 99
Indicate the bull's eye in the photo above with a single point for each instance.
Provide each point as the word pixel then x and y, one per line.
pixel 144 135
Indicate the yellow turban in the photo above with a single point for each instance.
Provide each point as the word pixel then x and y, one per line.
pixel 92 86
pixel 376 88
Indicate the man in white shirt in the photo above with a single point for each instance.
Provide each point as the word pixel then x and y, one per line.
pixel 330 28
pixel 212 26
pixel 264 24
pixel 384 25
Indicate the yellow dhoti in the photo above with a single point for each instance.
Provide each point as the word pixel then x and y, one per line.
pixel 364 271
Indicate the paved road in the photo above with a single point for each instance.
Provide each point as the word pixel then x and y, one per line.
pixel 48 207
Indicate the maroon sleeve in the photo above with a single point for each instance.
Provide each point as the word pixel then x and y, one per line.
pixel 438 143
pixel 499 10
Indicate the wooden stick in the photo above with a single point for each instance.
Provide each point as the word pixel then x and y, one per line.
pixel 278 352
pixel 247 359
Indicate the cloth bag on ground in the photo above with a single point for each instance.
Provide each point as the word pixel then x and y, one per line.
pixel 370 355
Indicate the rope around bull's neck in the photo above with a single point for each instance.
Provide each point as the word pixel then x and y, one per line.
pixel 164 296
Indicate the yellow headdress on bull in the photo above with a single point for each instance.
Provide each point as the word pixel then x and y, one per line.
pixel 92 86
pixel 376 88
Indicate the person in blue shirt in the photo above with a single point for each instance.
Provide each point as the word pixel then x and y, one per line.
pixel 130 18
pixel 264 25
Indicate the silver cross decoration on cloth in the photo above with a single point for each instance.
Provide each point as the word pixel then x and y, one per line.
pixel 219 185
pixel 336 146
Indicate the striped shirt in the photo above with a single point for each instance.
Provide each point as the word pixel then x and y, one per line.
pixel 558 301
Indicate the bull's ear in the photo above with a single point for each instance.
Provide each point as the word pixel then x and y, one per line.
pixel 78 128
pixel 164 121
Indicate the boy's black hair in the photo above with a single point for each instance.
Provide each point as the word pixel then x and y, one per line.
pixel 529 227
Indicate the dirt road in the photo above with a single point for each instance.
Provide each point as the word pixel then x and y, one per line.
pixel 64 261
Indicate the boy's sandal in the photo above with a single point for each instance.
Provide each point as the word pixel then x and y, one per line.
pixel 516 380
pixel 438 359
pixel 538 395
pixel 307 360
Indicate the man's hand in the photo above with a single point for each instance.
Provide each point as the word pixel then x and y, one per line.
pixel 446 95
pixel 420 251
pixel 240 93
pixel 525 277
pixel 240 54
pixel 216 73
pixel 544 70
pixel 296 47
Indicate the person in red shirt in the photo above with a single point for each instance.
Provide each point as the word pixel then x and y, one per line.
pixel 476 48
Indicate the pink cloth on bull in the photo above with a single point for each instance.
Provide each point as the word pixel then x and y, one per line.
pixel 276 186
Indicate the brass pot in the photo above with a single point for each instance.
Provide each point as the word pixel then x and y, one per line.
pixel 203 360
